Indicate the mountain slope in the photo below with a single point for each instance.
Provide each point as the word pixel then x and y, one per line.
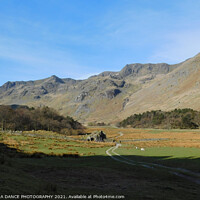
pixel 178 89
pixel 113 96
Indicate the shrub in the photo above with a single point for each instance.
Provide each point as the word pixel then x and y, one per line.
pixel 27 119
pixel 178 118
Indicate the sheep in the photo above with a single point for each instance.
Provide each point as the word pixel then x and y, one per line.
pixel 142 149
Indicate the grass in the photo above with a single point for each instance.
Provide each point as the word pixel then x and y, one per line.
pixel 91 175
pixel 30 144
pixel 171 152
pixel 188 158
pixel 93 172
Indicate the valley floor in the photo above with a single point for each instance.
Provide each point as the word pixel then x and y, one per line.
pixel 49 163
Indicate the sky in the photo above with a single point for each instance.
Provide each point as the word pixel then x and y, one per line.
pixel 80 38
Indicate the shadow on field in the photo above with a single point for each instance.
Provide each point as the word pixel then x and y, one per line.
pixel 38 173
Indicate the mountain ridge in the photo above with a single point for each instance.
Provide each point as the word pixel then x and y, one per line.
pixel 111 96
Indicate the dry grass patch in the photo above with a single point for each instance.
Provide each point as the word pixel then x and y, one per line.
pixel 179 138
pixel 10 141
pixel 167 143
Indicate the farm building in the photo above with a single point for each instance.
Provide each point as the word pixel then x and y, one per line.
pixel 97 136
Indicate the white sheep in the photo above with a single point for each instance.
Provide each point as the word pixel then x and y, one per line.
pixel 142 149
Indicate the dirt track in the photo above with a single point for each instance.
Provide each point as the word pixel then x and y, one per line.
pixel 184 173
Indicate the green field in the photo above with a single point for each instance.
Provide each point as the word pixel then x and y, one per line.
pixel 45 163
pixel 168 152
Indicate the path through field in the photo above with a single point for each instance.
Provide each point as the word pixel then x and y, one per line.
pixel 120 134
pixel 184 173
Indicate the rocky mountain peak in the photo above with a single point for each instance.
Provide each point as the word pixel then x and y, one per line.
pixel 8 85
pixel 55 79
pixel 139 69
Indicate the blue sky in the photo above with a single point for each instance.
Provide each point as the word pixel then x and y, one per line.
pixel 79 38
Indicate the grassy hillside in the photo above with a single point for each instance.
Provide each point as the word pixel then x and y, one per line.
pixel 177 89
